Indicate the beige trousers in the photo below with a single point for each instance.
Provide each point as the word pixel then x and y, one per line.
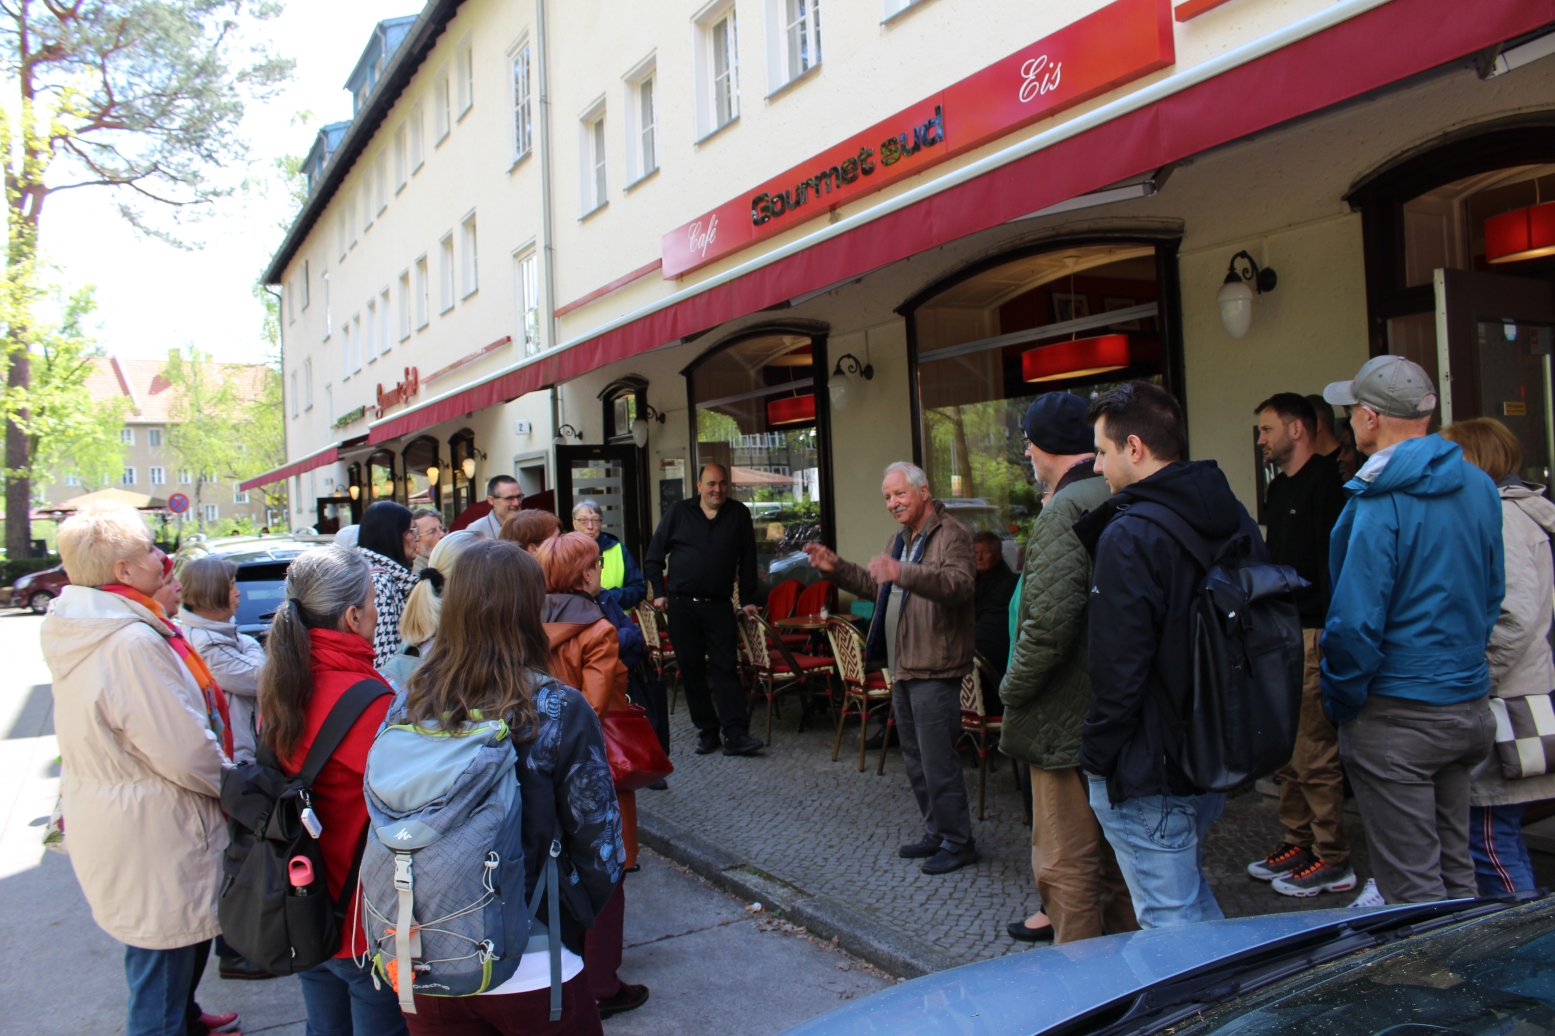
pixel 1082 890
pixel 1312 783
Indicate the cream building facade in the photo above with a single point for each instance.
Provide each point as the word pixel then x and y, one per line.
pixel 809 238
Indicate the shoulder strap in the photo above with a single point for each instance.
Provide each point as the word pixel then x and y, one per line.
pixel 339 722
pixel 1201 550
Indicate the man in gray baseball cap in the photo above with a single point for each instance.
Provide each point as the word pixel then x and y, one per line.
pixel 1418 575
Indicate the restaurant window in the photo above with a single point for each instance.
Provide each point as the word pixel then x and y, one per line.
pixel 755 413
pixel 992 340
pixel 420 457
pixel 380 476
pixel 462 490
pixel 624 401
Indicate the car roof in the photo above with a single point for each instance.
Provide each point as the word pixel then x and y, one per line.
pixel 244 549
pixel 1031 992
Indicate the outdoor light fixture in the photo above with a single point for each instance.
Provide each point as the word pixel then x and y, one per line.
pixel 640 426
pixel 432 474
pixel 837 385
pixel 1527 233
pixel 1236 298
pixel 1076 359
pixel 468 464
pixel 356 491
pixel 791 410
pixel 566 432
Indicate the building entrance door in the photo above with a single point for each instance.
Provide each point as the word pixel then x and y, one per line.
pixel 608 474
pixel 1494 339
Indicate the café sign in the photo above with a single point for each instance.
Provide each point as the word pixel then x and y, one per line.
pixel 1115 45
pixel 403 392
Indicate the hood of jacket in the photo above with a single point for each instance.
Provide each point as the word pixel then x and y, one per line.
pixel 221 628
pixel 1195 490
pixel 1531 501
pixel 336 651
pixel 1429 466
pixel 567 615
pixel 81 619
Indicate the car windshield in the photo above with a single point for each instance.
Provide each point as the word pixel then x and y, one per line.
pixel 261 588
pixel 1487 978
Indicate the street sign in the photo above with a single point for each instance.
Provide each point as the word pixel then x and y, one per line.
pixel 178 503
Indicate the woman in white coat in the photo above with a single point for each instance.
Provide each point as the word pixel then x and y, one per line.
pixel 141 761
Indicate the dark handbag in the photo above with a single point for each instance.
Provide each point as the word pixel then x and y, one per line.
pixel 636 757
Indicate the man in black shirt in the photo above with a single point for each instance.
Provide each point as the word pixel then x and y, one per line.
pixel 991 596
pixel 713 543
pixel 1303 504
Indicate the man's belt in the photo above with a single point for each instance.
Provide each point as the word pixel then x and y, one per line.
pixel 697 600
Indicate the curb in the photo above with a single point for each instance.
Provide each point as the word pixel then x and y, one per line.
pixel 826 916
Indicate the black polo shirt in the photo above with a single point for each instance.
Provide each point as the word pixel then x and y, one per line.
pixel 1301 510
pixel 706 554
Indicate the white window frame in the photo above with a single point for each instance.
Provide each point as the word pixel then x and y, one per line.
pixel 717 101
pixel 306 290
pixel 328 318
pixel 445 272
pixel 381 175
pixel 307 383
pixel 356 343
pixel 405 304
pixel 526 293
pixel 640 116
pixel 442 124
pixel 238 495
pixel 370 340
pixel 296 403
pixel 72 478
pixel 127 435
pixel 385 339
pixel 351 208
pixel 519 65
pixel 127 476
pixel 340 228
pixel 423 291
pixel 401 158
pixel 418 137
pixel 345 349
pixel 464 78
pixel 290 291
pixel 185 477
pixel 469 249
pixel 153 437
pixel 158 475
pixel 329 406
pixel 212 512
pixel 793 41
pixel 891 8
pixel 593 169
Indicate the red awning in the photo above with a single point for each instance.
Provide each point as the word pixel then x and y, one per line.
pixel 1371 50
pixel 313 460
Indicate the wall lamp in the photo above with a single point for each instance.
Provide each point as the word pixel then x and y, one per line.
pixel 468 464
pixel 566 432
pixel 1236 298
pixel 356 492
pixel 838 384
pixel 640 426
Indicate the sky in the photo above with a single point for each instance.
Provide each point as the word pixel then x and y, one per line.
pixel 153 297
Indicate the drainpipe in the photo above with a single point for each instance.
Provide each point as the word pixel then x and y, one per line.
pixel 547 250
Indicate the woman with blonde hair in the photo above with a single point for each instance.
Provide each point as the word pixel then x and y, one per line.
pixel 424 607
pixel 1519 653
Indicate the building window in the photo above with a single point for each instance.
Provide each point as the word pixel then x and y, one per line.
pixel 340 229
pixel 329 405
pixel 128 477
pixel 793 40
pixel 351 204
pixel 896 7
pixel 371 343
pixel 464 70
pixel 523 116
pixel 445 273
pixel 467 253
pixel 401 159
pixel 327 317
pixel 592 166
pixel 385 342
pixel 418 137
pixel 185 477
pixel 305 289
pixel 345 350
pixel 716 65
pixel 527 270
pixel 212 512
pixel 154 437
pixel 381 178
pixel 127 436
pixel 423 292
pixel 307 383
pixel 295 403
pixel 440 101
pixel 642 149
pixel 356 343
pixel 404 305
pixel 72 479
pixel 238 496
pixel 290 291
pixel 158 476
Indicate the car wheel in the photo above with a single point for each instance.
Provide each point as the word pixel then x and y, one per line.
pixel 39 602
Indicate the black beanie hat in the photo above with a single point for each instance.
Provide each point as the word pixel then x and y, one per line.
pixel 1055 421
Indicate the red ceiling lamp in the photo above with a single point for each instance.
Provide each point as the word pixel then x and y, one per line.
pixel 788 410
pixel 1077 359
pixel 1521 234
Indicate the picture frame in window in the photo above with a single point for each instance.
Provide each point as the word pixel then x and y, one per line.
pixel 1069 305
pixel 1112 302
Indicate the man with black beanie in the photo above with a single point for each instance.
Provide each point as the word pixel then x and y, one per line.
pixel 1047 691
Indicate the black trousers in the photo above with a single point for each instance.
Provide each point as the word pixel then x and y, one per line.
pixel 704 634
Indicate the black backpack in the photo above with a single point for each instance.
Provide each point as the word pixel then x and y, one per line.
pixel 281 928
pixel 1247 662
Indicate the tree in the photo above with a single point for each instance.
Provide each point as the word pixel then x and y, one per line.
pixel 142 97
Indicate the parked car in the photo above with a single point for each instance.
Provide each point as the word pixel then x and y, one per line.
pixel 36 589
pixel 1458 968
pixel 262 563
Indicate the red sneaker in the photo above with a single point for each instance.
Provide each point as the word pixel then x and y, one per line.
pixel 227 1023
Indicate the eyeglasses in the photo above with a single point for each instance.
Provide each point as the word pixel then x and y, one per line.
pixel 510 499
pixel 586 521
pixel 599 562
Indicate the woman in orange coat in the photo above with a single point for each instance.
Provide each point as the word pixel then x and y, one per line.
pixel 585 654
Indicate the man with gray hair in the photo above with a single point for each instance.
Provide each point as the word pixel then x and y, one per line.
pixel 925 623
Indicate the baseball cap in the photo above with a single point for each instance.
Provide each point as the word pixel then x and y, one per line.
pixel 1390 385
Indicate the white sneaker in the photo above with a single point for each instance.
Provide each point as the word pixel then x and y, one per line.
pixel 1369 897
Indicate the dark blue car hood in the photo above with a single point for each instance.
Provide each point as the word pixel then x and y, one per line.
pixel 1025 993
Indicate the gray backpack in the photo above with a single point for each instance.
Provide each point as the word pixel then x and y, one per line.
pixel 443 880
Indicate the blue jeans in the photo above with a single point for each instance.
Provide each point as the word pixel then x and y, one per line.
pixel 1159 843
pixel 342 1001
pixel 162 988
pixel 1501 862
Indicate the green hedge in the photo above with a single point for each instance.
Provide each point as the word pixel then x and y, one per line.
pixel 13 569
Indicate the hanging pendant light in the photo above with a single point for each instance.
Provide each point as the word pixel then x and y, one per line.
pixel 791 410
pixel 1076 359
pixel 1521 234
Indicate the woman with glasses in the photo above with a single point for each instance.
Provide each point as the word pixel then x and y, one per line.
pixel 619 575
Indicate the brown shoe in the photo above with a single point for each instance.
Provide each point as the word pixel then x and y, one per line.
pixel 627 998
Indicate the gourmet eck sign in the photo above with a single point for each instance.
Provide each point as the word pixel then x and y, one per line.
pixel 1121 42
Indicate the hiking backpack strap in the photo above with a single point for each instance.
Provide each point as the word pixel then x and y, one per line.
pixel 405 972
pixel 342 717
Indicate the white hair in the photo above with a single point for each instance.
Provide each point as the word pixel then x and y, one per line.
pixel 98 537
pixel 911 472
pixel 587 503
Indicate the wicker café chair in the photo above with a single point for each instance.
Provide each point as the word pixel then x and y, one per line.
pixel 788 672
pixel 977 726
pixel 863 693
pixel 660 651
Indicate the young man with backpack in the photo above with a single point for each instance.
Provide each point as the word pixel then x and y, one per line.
pixel 1143 601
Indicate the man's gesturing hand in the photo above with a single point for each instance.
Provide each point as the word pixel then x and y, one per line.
pixel 822 557
pixel 885 569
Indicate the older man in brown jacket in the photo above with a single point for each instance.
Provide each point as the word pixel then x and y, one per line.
pixel 923 585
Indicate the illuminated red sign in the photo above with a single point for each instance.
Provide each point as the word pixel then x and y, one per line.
pixel 1121 42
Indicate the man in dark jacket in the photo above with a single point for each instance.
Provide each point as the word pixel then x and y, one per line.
pixel 1046 692
pixel 991 597
pixel 1140 658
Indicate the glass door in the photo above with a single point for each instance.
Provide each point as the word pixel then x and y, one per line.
pixel 608 475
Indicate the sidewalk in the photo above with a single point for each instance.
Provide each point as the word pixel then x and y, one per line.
pixel 818 839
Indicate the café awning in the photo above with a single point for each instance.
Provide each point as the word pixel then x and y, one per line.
pixel 317 459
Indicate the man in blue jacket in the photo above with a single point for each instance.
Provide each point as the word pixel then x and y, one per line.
pixel 1416 561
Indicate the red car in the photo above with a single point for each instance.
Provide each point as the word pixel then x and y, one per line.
pixel 36 589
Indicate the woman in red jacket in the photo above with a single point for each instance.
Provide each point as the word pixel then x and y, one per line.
pixel 321 645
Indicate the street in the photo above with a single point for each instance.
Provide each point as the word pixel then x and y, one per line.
pixel 69 979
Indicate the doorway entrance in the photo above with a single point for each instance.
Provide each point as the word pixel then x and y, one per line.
pixel 607 474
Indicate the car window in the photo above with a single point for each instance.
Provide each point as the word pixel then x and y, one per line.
pixel 261 589
pixel 1495 976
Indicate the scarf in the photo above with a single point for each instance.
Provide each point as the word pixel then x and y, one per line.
pixel 216 710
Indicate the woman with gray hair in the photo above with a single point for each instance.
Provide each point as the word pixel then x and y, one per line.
pixel 320 647
pixel 619 576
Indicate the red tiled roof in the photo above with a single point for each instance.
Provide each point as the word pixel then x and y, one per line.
pixel 142 382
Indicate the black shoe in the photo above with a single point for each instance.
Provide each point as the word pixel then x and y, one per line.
pixel 238 968
pixel 947 860
pixel 659 785
pixel 1018 930
pixel 627 998
pixel 875 740
pixel 707 744
pixel 922 849
pixel 741 743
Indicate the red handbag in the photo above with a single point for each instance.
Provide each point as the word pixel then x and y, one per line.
pixel 636 757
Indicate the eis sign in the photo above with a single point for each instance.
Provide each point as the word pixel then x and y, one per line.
pixel 1121 42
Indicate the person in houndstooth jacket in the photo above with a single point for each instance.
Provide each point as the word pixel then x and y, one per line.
pixel 388 540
